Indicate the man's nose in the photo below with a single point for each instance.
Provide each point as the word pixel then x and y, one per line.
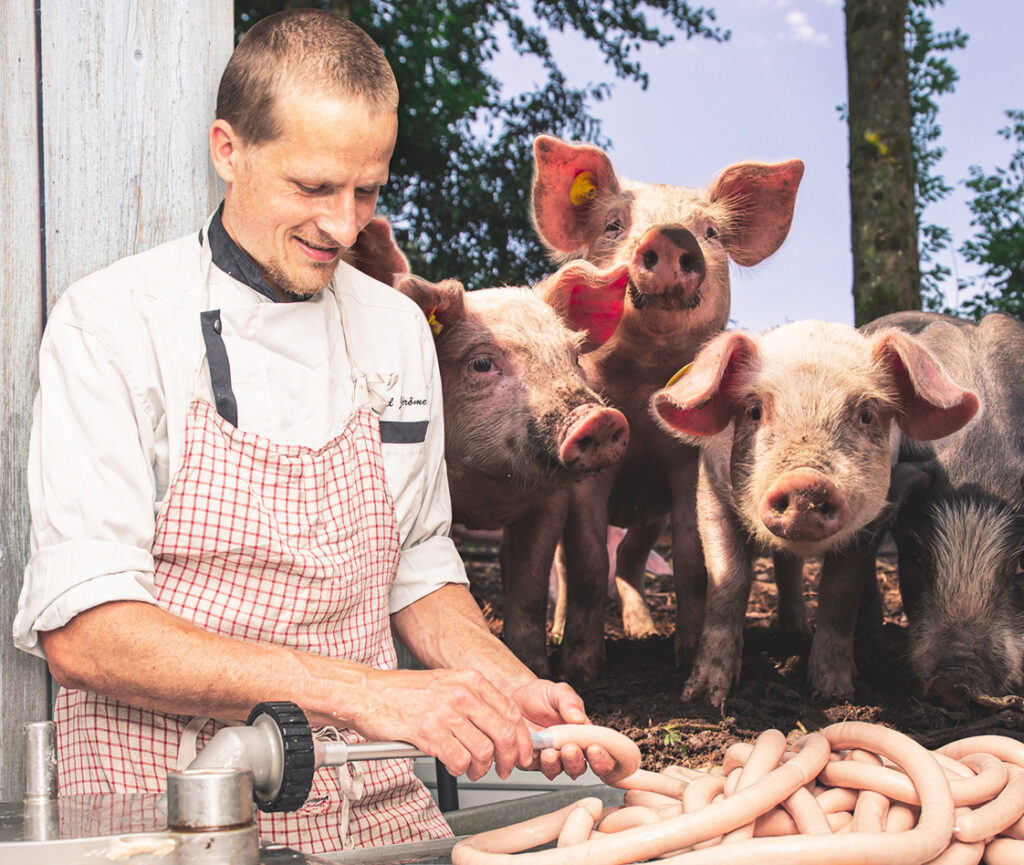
pixel 338 219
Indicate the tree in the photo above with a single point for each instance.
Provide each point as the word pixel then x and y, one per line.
pixel 883 215
pixel 458 197
pixel 895 251
pixel 998 246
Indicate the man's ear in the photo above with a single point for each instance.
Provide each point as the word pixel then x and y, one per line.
pixel 224 144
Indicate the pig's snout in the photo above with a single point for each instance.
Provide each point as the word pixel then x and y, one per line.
pixel 669 263
pixel 596 438
pixel 803 505
pixel 951 684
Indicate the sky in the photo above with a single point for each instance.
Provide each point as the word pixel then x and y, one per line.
pixel 771 93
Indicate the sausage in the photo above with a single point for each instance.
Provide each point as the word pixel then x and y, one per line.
pixel 997 815
pixel 646 842
pixel 765 756
pixel 870 811
pixel 622 749
pixel 1004 851
pixel 579 822
pixel 778 813
pixel 807 813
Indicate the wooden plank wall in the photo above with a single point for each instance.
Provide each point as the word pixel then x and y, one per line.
pixel 22 678
pixel 103 152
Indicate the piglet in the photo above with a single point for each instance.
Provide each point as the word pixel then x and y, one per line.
pixel 797 430
pixel 959 529
pixel 676 245
pixel 521 422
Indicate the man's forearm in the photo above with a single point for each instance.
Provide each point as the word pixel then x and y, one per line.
pixel 141 654
pixel 446 629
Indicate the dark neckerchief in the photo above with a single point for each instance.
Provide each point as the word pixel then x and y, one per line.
pixel 228 256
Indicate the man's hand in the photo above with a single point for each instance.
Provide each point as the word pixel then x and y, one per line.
pixel 446 633
pixel 544 704
pixel 457 716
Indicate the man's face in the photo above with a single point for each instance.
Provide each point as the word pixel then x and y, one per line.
pixel 294 203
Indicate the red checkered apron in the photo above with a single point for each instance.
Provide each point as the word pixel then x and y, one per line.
pixel 279 544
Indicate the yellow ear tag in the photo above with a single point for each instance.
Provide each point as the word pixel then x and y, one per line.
pixel 582 189
pixel 435 325
pixel 679 374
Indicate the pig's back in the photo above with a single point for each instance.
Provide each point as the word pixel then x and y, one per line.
pixel 988 358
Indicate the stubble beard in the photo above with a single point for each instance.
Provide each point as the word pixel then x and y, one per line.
pixel 309 287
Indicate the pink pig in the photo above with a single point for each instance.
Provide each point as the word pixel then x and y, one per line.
pixel 675 245
pixel 521 423
pixel 798 431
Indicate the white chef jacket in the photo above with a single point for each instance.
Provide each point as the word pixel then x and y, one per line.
pixel 120 359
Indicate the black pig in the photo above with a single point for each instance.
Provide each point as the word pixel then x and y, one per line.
pixel 960 527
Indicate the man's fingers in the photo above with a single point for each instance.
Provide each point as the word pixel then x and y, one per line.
pixel 488 725
pixel 600 760
pixel 568 759
pixel 550 763
pixel 569 704
pixel 476 749
pixel 574 763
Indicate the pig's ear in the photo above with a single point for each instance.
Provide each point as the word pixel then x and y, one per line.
pixel 567 178
pixel 443 303
pixel 932 405
pixel 759 199
pixel 586 299
pixel 699 400
pixel 907 480
pixel 376 254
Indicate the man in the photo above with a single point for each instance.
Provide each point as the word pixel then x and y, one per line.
pixel 237 481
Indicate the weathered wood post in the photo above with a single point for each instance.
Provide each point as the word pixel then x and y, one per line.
pixel 103 152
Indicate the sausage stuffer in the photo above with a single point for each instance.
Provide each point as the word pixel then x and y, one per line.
pixel 206 815
pixel 278 747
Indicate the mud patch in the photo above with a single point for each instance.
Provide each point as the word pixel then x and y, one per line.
pixel 639 694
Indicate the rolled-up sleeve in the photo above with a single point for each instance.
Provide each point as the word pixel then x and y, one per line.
pixel 90 483
pixel 429 559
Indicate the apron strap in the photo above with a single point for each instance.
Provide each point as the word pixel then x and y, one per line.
pixel 187 746
pixel 351 785
pixel 220 369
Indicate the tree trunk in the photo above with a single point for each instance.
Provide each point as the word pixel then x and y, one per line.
pixel 883 222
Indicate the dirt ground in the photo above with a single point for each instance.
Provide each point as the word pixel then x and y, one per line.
pixel 639 693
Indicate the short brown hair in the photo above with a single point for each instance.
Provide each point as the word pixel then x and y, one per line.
pixel 307 45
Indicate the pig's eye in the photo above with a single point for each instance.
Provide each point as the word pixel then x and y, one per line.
pixel 867 417
pixel 481 364
pixel 754 412
pixel 711 233
pixel 613 226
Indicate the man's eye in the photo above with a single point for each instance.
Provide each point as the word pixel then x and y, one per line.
pixel 311 190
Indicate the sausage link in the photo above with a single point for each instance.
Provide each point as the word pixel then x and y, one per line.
pixel 995 816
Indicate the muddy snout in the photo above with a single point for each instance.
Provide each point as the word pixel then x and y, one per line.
pixel 668 262
pixel 595 438
pixel 951 685
pixel 804 505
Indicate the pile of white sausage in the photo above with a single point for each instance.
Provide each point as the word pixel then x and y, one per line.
pixel 852 794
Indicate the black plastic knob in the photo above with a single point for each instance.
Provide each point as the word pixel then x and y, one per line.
pixel 299 759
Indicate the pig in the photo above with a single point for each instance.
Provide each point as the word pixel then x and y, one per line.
pixel 521 422
pixel 959 529
pixel 798 430
pixel 676 245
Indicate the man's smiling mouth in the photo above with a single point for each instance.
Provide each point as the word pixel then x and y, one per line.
pixel 319 253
